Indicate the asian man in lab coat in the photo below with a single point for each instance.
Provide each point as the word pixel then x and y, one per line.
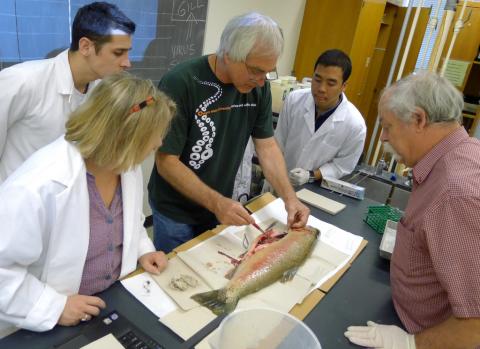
pixel 38 96
pixel 319 131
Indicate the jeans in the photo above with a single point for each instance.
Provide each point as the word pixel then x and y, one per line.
pixel 168 234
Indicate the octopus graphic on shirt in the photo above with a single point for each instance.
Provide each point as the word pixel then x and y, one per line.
pixel 202 150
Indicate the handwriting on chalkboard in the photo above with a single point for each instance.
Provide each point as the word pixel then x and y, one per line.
pixel 188 10
pixel 183 50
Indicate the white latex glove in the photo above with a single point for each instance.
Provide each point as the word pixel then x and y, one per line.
pixel 380 336
pixel 298 176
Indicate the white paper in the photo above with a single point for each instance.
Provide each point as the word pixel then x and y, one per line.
pixel 280 296
pixel 208 263
pixel 157 301
pixel 106 342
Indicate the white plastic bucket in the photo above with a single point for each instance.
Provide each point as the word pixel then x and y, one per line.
pixel 265 329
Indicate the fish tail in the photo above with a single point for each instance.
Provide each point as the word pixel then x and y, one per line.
pixel 214 300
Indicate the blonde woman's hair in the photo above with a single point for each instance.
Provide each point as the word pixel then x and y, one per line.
pixel 108 132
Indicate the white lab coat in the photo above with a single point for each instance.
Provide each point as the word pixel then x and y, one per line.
pixel 35 102
pixel 243 179
pixel 334 148
pixel 45 229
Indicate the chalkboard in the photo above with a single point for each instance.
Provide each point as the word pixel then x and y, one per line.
pixel 168 31
pixel 179 36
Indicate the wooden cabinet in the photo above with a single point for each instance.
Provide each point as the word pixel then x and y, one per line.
pixel 349 25
pixel 368 31
pixel 467 49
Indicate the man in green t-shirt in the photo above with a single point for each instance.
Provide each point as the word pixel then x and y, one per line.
pixel 222 99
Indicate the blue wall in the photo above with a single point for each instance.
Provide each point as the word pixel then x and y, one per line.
pixel 31 29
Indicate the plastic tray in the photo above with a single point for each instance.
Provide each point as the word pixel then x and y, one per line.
pixel 377 216
pixel 388 239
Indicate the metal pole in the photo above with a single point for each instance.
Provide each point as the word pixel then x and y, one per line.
pixel 458 26
pixel 409 40
pixel 450 7
pixel 432 23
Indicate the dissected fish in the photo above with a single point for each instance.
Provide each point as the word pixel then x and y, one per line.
pixel 260 267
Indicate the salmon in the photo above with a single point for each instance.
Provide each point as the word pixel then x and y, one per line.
pixel 279 260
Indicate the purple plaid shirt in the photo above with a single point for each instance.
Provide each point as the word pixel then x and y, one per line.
pixel 104 256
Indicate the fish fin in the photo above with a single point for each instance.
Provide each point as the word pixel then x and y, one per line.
pixel 213 301
pixel 289 274
pixel 229 307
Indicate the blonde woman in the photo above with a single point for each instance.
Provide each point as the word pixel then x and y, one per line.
pixel 71 215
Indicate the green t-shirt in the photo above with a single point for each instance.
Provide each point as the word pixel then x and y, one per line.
pixel 210 132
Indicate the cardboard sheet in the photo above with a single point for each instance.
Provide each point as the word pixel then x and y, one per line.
pixel 187 323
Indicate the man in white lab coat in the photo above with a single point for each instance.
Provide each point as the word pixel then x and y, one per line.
pixel 320 132
pixel 38 96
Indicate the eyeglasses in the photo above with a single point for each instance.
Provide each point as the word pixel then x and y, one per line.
pixel 256 74
pixel 137 107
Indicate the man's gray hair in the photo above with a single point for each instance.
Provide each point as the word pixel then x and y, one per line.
pixel 250 31
pixel 435 94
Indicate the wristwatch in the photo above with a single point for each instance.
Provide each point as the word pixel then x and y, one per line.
pixel 311 177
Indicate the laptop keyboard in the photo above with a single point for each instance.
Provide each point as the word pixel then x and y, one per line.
pixel 129 335
pixel 131 341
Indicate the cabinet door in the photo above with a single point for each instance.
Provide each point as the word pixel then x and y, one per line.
pixel 326 24
pixel 468 39
pixel 363 46
pixel 466 49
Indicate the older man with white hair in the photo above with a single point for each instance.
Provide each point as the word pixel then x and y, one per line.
pixel 222 100
pixel 435 268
